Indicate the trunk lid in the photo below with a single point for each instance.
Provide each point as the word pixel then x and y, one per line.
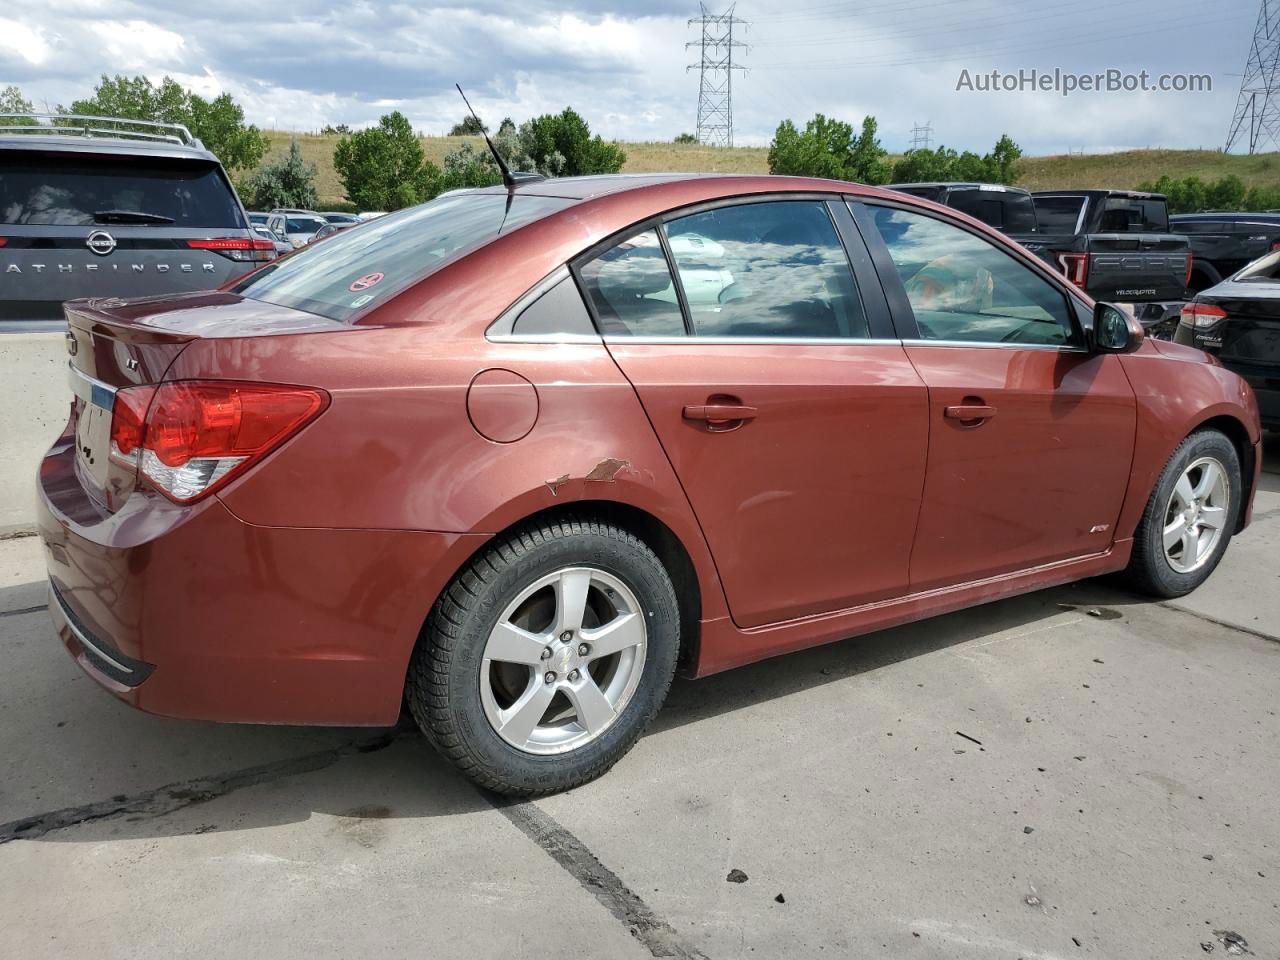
pixel 1137 268
pixel 1251 332
pixel 117 344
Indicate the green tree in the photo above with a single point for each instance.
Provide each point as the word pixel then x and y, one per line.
pixel 469 127
pixel 507 126
pixel 289 182
pixel 384 168
pixel 685 138
pixel 1003 160
pixel 561 145
pixel 828 148
pixel 12 101
pixel 218 123
pixel 998 166
pixel 468 167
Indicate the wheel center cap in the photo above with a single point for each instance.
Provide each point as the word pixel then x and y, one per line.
pixel 564 659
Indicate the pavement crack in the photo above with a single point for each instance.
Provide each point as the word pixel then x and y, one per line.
pixel 174 796
pixel 658 936
pixel 23 611
pixel 1227 624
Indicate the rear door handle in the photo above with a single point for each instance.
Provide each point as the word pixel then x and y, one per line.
pixel 969 411
pixel 720 411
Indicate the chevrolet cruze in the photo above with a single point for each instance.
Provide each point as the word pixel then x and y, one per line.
pixel 513 457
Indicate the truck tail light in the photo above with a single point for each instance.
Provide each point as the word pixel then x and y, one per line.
pixel 1191 262
pixel 243 249
pixel 190 437
pixel 1076 267
pixel 1201 315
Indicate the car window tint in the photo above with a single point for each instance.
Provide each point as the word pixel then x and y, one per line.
pixel 1002 209
pixel 962 288
pixel 766 270
pixel 558 311
pixel 69 191
pixel 631 289
pixel 1057 214
pixel 358 269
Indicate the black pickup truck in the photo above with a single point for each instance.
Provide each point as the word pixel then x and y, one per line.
pixel 1223 243
pixel 1113 244
pixel 1008 209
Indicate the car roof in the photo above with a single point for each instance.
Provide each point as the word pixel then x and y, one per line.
pixel 1264 217
pixel 958 185
pixel 102 146
pixel 599 185
pixel 1123 194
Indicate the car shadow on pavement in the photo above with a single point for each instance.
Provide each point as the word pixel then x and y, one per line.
pixel 359 775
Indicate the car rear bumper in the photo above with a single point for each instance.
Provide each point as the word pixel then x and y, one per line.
pixel 191 612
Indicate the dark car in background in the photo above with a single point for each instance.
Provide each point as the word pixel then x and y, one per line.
pixel 1238 321
pixel 1225 243
pixel 1113 244
pixel 98 207
pixel 1008 209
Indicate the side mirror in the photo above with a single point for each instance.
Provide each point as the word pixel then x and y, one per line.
pixel 1115 330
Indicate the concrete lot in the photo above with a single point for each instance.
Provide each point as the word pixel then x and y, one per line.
pixel 1123 802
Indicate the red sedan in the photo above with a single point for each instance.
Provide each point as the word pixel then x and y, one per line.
pixel 512 457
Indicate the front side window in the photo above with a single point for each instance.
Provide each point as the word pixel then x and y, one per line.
pixel 773 269
pixel 631 289
pixel 962 288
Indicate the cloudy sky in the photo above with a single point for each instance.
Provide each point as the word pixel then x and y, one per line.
pixel 304 63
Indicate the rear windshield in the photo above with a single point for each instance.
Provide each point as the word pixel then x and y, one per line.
pixel 73 191
pixel 1057 214
pixel 1267 268
pixel 303 224
pixel 359 269
pixel 1004 210
pixel 1122 215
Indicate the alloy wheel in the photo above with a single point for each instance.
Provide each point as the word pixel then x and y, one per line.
pixel 1196 515
pixel 563 661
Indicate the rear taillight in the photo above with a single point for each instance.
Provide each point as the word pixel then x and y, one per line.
pixel 243 249
pixel 190 437
pixel 1201 315
pixel 1191 262
pixel 3 241
pixel 1076 267
pixel 1275 245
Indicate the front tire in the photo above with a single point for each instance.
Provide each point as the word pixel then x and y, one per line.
pixel 1189 518
pixel 546 657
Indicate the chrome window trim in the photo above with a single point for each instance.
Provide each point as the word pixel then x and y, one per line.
pixel 85 641
pixel 994 344
pixel 90 390
pixel 500 331
pixel 760 341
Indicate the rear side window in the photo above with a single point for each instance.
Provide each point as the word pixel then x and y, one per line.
pixel 631 289
pixel 72 191
pixel 1004 210
pixel 1058 214
pixel 766 270
pixel 360 268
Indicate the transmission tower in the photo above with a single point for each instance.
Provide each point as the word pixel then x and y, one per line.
pixel 715 81
pixel 1257 113
pixel 922 136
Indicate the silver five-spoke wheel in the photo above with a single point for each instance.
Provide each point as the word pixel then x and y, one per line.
pixel 563 660
pixel 1196 515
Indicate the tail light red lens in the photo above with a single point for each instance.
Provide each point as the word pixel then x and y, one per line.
pixel 190 437
pixel 238 248
pixel 1201 315
pixel 1191 262
pixel 1076 267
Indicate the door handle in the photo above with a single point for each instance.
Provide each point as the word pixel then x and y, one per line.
pixel 721 417
pixel 969 412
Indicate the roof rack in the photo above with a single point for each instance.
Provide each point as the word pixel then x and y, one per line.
pixel 71 124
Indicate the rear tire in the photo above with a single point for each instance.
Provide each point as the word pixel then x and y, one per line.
pixel 546 657
pixel 1189 518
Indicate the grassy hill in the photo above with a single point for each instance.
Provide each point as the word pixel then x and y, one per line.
pixel 1115 170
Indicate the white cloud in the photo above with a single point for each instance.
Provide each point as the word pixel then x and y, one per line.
pixel 138 45
pixel 27 42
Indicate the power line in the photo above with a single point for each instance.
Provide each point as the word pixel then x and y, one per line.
pixel 922 137
pixel 715 68
pixel 1257 113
